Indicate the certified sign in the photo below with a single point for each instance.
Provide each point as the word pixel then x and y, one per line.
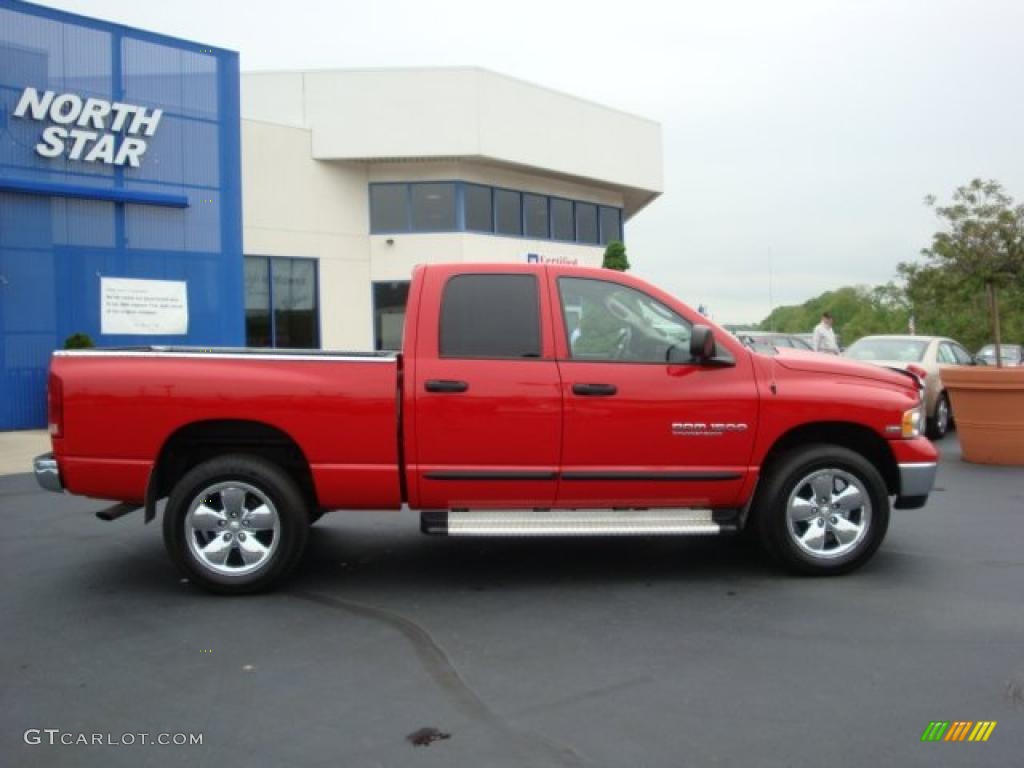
pixel 541 258
pixel 143 307
pixel 91 130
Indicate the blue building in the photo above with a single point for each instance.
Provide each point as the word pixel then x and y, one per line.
pixel 120 194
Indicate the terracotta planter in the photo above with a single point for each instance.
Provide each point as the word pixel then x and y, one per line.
pixel 988 410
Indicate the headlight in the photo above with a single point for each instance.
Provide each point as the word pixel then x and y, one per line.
pixel 913 422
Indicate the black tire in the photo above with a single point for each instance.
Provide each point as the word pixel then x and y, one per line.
pixel 266 490
pixel 788 476
pixel 938 426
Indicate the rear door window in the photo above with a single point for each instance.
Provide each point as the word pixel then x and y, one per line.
pixel 490 316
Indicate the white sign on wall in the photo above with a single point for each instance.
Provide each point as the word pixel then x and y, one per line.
pixel 92 130
pixel 143 307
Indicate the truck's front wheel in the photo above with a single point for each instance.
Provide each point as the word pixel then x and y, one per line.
pixel 236 524
pixel 823 510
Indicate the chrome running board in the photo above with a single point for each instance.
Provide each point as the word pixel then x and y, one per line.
pixel 579 522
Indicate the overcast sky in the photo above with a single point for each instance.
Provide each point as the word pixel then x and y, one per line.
pixel 799 137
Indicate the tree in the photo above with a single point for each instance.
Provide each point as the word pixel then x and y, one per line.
pixel 981 248
pixel 856 311
pixel 615 256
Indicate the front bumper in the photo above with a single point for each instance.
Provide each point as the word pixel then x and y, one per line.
pixel 47 473
pixel 916 482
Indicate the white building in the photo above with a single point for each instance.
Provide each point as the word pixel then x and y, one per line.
pixel 351 178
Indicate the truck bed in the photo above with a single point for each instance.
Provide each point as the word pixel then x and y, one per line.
pixel 124 405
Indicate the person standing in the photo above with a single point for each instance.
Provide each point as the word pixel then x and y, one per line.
pixel 824 338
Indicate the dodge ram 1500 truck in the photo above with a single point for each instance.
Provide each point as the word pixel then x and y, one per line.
pixel 528 400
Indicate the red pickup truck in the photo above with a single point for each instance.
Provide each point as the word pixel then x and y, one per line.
pixel 527 401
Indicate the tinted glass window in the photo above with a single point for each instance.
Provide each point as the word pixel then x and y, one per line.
pixel 563 226
pixel 389 300
pixel 490 316
pixel 295 303
pixel 281 303
pixel 433 207
pixel 535 215
pixel 508 207
pixel 611 225
pixel 586 223
pixel 389 208
pixel 479 211
pixel 608 321
pixel 946 354
pixel 257 301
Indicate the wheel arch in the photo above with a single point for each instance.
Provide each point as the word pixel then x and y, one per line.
pixel 855 437
pixel 199 441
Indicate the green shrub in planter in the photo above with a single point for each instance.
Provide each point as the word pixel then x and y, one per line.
pixel 78 341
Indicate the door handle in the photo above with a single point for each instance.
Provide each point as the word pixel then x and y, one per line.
pixel 594 390
pixel 445 385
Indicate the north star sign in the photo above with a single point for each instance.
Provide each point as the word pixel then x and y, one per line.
pixel 89 129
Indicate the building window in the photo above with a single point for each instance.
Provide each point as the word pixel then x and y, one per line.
pixel 586 223
pixel 281 303
pixel 508 208
pixel 433 207
pixel 535 216
pixel 611 224
pixel 563 225
pixel 478 208
pixel 490 316
pixel 389 208
pixel 389 300
pixel 456 206
pixel 257 302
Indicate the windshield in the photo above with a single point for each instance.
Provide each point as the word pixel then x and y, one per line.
pixel 899 350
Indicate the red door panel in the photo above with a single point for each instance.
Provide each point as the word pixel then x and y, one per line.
pixel 638 431
pixel 488 431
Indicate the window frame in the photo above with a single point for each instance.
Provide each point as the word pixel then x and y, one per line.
pixel 494 210
pixel 462 210
pixel 568 341
pixel 600 224
pixel 572 218
pixel 546 202
pixel 577 204
pixel 540 357
pixel 551 202
pixel 412 201
pixel 317 328
pixel 408 207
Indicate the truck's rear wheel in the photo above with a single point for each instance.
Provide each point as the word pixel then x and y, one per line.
pixel 236 524
pixel 823 510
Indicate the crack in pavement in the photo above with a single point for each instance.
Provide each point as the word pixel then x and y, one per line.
pixel 440 668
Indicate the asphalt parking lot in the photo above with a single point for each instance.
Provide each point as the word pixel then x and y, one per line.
pixel 563 653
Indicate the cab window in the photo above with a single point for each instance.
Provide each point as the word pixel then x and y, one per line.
pixel 490 316
pixel 606 321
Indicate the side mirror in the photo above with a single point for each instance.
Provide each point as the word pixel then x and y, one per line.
pixel 702 344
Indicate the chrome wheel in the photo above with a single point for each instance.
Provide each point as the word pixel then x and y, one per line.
pixel 828 513
pixel 232 528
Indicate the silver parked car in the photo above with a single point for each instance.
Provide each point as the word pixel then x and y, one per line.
pixel 927 352
pixel 763 339
pixel 1010 354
